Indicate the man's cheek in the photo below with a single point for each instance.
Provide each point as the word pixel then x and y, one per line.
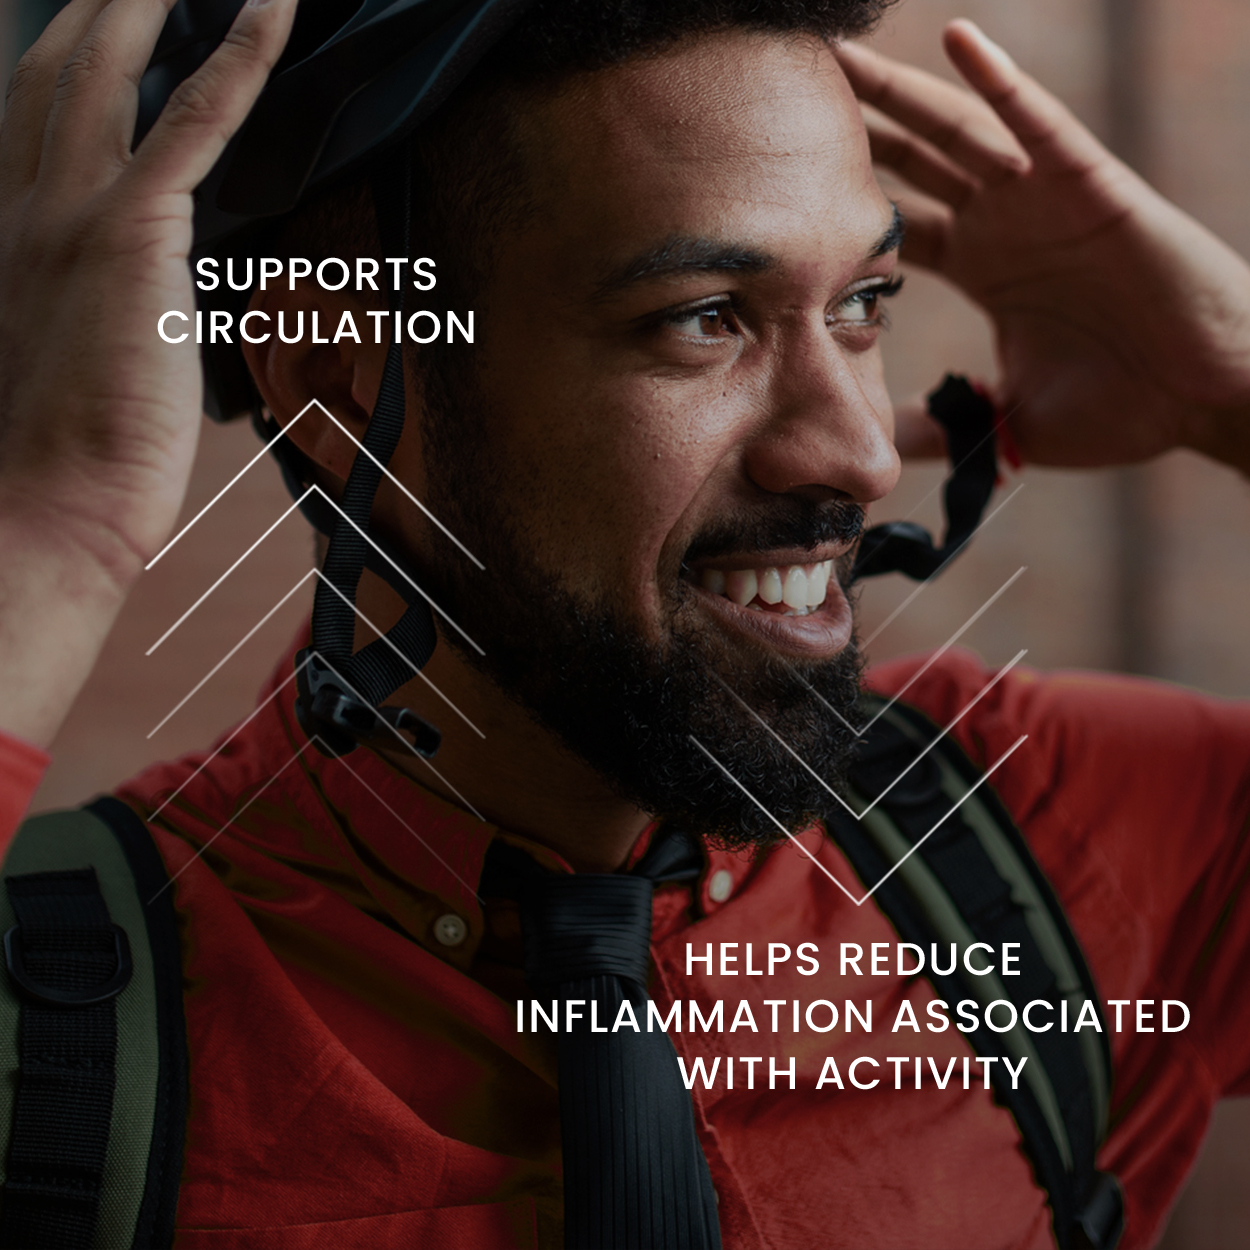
pixel 640 469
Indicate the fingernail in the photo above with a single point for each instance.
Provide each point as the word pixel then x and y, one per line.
pixel 995 51
pixel 257 4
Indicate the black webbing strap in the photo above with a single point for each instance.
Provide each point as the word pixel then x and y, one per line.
pixel 162 1177
pixel 93 1098
pixel 333 675
pixel 69 961
pixel 298 471
pixel 375 671
pixel 967 417
pixel 974 879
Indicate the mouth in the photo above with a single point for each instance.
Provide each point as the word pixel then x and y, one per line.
pixel 787 590
pixel 796 607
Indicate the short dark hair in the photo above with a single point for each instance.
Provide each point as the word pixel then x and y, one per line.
pixel 557 37
pixel 467 170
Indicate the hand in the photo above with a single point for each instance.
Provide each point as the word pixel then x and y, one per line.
pixel 98 416
pixel 1122 326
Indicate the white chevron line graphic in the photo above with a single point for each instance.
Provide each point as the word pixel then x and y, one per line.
pixel 775 821
pixel 769 729
pixel 410 829
pixel 311 742
pixel 956 467
pixel 947 645
pixel 404 743
pixel 212 672
pixel 985 776
pixel 228 823
pixel 399 569
pixel 859 902
pixel 920 672
pixel 915 594
pixel 859 815
pixel 188 613
pixel 229 738
pixel 312 403
pixel 313 572
pixel 989 685
pixel 311 490
pixel 398 652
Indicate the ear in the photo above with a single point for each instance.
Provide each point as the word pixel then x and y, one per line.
pixel 342 377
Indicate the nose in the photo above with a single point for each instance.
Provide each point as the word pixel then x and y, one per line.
pixel 828 432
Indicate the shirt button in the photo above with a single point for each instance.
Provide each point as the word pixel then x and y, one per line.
pixel 450 930
pixel 721 886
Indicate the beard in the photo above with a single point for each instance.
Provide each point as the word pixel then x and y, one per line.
pixel 732 744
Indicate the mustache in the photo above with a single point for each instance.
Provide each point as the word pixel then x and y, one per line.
pixel 788 523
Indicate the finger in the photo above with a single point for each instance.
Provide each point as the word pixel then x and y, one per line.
pixel 32 89
pixel 92 119
pixel 205 111
pixel 916 434
pixel 1055 141
pixel 915 161
pixel 954 121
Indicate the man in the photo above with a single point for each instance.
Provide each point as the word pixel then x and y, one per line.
pixel 677 253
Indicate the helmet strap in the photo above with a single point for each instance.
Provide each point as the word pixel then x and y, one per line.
pixel 341 690
pixel 969 419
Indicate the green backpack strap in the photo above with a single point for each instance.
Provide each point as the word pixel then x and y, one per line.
pixel 93 1055
pixel 967 875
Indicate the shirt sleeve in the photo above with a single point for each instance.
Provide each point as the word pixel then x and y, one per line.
pixel 1135 797
pixel 21 769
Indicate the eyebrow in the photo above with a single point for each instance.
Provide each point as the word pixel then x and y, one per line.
pixel 893 237
pixel 684 254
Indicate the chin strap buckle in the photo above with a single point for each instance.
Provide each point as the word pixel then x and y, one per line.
pixel 338 721
pixel 967 414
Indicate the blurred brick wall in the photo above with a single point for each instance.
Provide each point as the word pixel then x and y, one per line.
pixel 1061 525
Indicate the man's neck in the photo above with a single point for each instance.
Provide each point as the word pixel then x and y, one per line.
pixel 497 759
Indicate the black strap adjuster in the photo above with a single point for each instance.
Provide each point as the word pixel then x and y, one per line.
pixel 338 720
pixel 50 995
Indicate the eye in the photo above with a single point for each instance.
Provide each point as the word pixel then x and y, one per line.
pixel 863 307
pixel 705 321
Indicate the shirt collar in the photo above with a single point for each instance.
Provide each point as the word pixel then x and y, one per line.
pixel 381 837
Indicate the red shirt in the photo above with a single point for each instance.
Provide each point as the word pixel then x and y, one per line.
pixel 356 1081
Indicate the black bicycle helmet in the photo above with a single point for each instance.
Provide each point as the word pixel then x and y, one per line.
pixel 356 78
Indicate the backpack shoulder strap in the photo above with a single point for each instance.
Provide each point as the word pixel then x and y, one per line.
pixel 953 868
pixel 93 1059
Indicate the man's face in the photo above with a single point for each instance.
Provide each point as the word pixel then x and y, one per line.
pixel 677 412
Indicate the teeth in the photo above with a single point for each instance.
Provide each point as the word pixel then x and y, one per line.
pixel 741 586
pixel 713 580
pixel 794 588
pixel 800 588
pixel 818 584
pixel 770 586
